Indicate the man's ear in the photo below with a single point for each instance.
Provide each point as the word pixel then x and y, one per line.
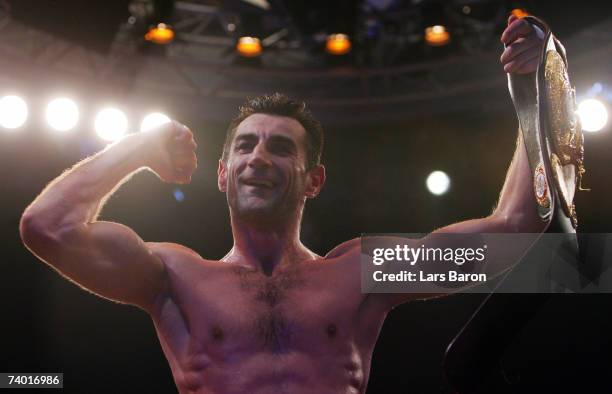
pixel 222 176
pixel 315 180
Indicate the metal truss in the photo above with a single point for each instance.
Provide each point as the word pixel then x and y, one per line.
pixel 198 66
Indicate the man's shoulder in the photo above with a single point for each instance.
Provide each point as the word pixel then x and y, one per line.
pixel 170 247
pixel 172 253
pixel 345 249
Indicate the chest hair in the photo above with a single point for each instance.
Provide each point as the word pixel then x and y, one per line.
pixel 270 325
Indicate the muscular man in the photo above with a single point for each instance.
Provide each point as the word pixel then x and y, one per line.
pixel 271 316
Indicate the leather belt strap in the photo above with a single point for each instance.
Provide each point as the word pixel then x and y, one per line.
pixel 545 106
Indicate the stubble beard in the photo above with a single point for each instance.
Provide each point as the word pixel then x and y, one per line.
pixel 274 212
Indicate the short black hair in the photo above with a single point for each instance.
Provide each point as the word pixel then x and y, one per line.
pixel 281 105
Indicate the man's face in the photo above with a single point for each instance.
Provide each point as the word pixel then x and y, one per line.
pixel 265 175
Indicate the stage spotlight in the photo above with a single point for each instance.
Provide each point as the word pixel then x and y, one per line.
pixel 160 34
pixel 437 36
pixel 153 120
pixel 338 44
pixel 13 112
pixel 593 115
pixel 111 124
pixel 438 183
pixel 249 46
pixel 519 13
pixel 62 114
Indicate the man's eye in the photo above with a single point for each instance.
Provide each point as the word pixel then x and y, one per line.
pixel 243 147
pixel 281 149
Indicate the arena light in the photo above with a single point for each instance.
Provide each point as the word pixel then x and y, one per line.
pixel 519 13
pixel 438 183
pixel 593 115
pixel 338 44
pixel 13 112
pixel 153 120
pixel 111 124
pixel 437 35
pixel 249 46
pixel 160 34
pixel 62 114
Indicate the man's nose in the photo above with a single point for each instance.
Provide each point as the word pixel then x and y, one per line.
pixel 260 157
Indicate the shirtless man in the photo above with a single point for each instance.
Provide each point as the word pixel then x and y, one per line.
pixel 271 316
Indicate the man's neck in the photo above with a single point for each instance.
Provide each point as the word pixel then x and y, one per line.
pixel 266 248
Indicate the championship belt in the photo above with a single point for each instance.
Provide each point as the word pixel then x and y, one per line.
pixel 546 108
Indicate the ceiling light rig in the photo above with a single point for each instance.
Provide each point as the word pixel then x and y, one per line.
pixel 161 34
pixel 437 36
pixel 402 34
pixel 249 46
pixel 338 44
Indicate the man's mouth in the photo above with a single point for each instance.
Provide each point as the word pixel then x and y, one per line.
pixel 258 182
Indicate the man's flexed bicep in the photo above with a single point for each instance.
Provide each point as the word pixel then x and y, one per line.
pixel 108 259
pixel 61 227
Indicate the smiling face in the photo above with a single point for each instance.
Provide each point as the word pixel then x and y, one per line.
pixel 265 174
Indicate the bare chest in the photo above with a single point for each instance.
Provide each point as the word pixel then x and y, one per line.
pixel 235 311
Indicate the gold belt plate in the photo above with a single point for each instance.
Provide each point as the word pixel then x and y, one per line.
pixel 564 131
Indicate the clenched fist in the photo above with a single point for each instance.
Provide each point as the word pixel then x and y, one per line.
pixel 170 152
pixel 523 46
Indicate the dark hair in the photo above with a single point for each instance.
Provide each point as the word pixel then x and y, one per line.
pixel 281 105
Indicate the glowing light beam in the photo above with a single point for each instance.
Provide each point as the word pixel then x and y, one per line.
pixel 438 183
pixel 13 112
pixel 62 114
pixel 111 124
pixel 593 115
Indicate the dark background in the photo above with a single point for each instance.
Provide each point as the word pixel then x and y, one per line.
pixel 376 172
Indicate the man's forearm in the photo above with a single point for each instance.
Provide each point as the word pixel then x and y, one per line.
pixel 76 196
pixel 517 201
pixel 516 210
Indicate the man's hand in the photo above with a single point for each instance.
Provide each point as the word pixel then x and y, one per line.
pixel 523 46
pixel 171 152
